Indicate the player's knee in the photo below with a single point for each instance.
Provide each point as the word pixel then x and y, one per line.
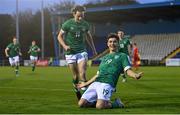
pixel 99 106
pixel 81 103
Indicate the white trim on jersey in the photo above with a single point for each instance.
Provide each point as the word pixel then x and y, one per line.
pixel 126 68
pixel 62 31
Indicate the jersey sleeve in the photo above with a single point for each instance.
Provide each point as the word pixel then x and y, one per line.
pixel 30 48
pixel 38 47
pixel 125 62
pixel 19 48
pixel 64 27
pixel 9 46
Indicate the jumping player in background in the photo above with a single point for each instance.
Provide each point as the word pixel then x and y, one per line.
pixel 103 84
pixel 72 37
pixel 124 47
pixel 136 57
pixel 33 51
pixel 13 52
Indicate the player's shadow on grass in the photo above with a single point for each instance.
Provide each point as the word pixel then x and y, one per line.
pixel 6 80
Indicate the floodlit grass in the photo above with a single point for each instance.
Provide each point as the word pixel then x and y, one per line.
pixel 49 90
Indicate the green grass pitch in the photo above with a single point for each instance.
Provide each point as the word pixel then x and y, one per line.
pixel 49 90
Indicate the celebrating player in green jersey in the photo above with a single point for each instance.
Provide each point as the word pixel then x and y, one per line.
pixel 76 31
pixel 13 51
pixel 124 47
pixel 102 85
pixel 33 50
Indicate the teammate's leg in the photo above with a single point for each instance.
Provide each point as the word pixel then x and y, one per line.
pixel 74 70
pixel 16 59
pixel 33 65
pixel 82 72
pixel 33 62
pixel 17 68
pixel 82 66
pixel 11 61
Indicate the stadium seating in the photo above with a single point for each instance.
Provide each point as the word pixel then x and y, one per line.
pixel 156 46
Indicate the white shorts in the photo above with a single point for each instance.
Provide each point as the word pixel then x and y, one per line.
pixel 33 58
pixel 129 59
pixel 76 58
pixel 13 60
pixel 98 90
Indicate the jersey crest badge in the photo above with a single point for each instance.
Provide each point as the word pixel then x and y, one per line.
pixel 72 28
pixel 116 57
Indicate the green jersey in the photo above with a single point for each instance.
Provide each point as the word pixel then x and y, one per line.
pixel 111 66
pixel 123 45
pixel 75 35
pixel 14 49
pixel 34 50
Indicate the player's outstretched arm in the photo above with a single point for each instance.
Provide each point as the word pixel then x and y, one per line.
pixel 29 51
pixel 19 52
pixel 134 75
pixel 90 41
pixel 38 50
pixel 88 82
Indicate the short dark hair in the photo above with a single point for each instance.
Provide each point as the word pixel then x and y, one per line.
pixel 78 8
pixel 112 35
pixel 120 31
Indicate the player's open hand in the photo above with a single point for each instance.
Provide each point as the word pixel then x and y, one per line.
pixel 80 85
pixel 67 48
pixel 20 53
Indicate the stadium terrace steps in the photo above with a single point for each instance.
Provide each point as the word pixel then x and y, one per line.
pixel 171 55
pixel 153 46
pixel 156 46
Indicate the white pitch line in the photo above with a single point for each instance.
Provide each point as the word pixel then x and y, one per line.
pixel 45 89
